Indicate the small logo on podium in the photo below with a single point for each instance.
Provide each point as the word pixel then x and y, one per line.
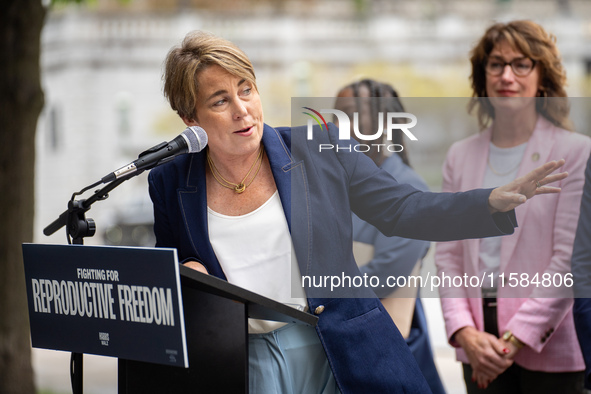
pixel 171 355
pixel 104 338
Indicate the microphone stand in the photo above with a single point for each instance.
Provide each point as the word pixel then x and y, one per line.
pixel 78 227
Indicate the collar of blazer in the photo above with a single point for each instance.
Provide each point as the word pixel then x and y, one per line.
pixel 193 197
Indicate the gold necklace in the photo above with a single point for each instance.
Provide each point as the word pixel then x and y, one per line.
pixel 237 187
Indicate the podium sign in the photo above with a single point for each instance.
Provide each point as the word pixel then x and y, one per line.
pixel 113 301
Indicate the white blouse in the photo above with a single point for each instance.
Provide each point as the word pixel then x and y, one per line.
pixel 256 253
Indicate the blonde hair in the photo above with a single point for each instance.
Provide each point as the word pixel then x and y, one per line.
pixel 535 43
pixel 184 63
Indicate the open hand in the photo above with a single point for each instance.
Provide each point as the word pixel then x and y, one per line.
pixel 506 198
pixel 196 266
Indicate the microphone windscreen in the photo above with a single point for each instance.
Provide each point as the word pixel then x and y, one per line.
pixel 196 138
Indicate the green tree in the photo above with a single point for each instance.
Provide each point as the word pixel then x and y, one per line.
pixel 21 101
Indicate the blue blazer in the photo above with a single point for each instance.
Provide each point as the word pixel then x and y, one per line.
pixel 318 191
pixel 581 268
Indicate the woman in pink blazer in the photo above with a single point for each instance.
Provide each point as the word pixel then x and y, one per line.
pixel 515 334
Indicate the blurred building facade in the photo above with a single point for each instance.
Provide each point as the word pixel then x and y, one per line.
pixel 102 67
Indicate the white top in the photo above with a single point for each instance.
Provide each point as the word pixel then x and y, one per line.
pixel 255 252
pixel 502 167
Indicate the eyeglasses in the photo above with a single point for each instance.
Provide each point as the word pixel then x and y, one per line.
pixel 521 66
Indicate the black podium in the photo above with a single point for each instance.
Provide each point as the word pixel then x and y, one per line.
pixel 216 314
pixel 126 302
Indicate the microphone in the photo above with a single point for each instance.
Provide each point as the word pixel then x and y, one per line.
pixel 192 140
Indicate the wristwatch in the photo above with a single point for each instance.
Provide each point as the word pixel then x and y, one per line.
pixel 509 337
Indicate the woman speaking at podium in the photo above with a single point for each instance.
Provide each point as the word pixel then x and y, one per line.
pixel 259 198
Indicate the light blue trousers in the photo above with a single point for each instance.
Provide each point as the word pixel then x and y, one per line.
pixel 289 360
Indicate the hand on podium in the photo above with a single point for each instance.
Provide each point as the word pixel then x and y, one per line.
pixel 196 266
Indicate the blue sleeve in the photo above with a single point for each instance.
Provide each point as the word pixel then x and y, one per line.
pixel 393 256
pixel 402 210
